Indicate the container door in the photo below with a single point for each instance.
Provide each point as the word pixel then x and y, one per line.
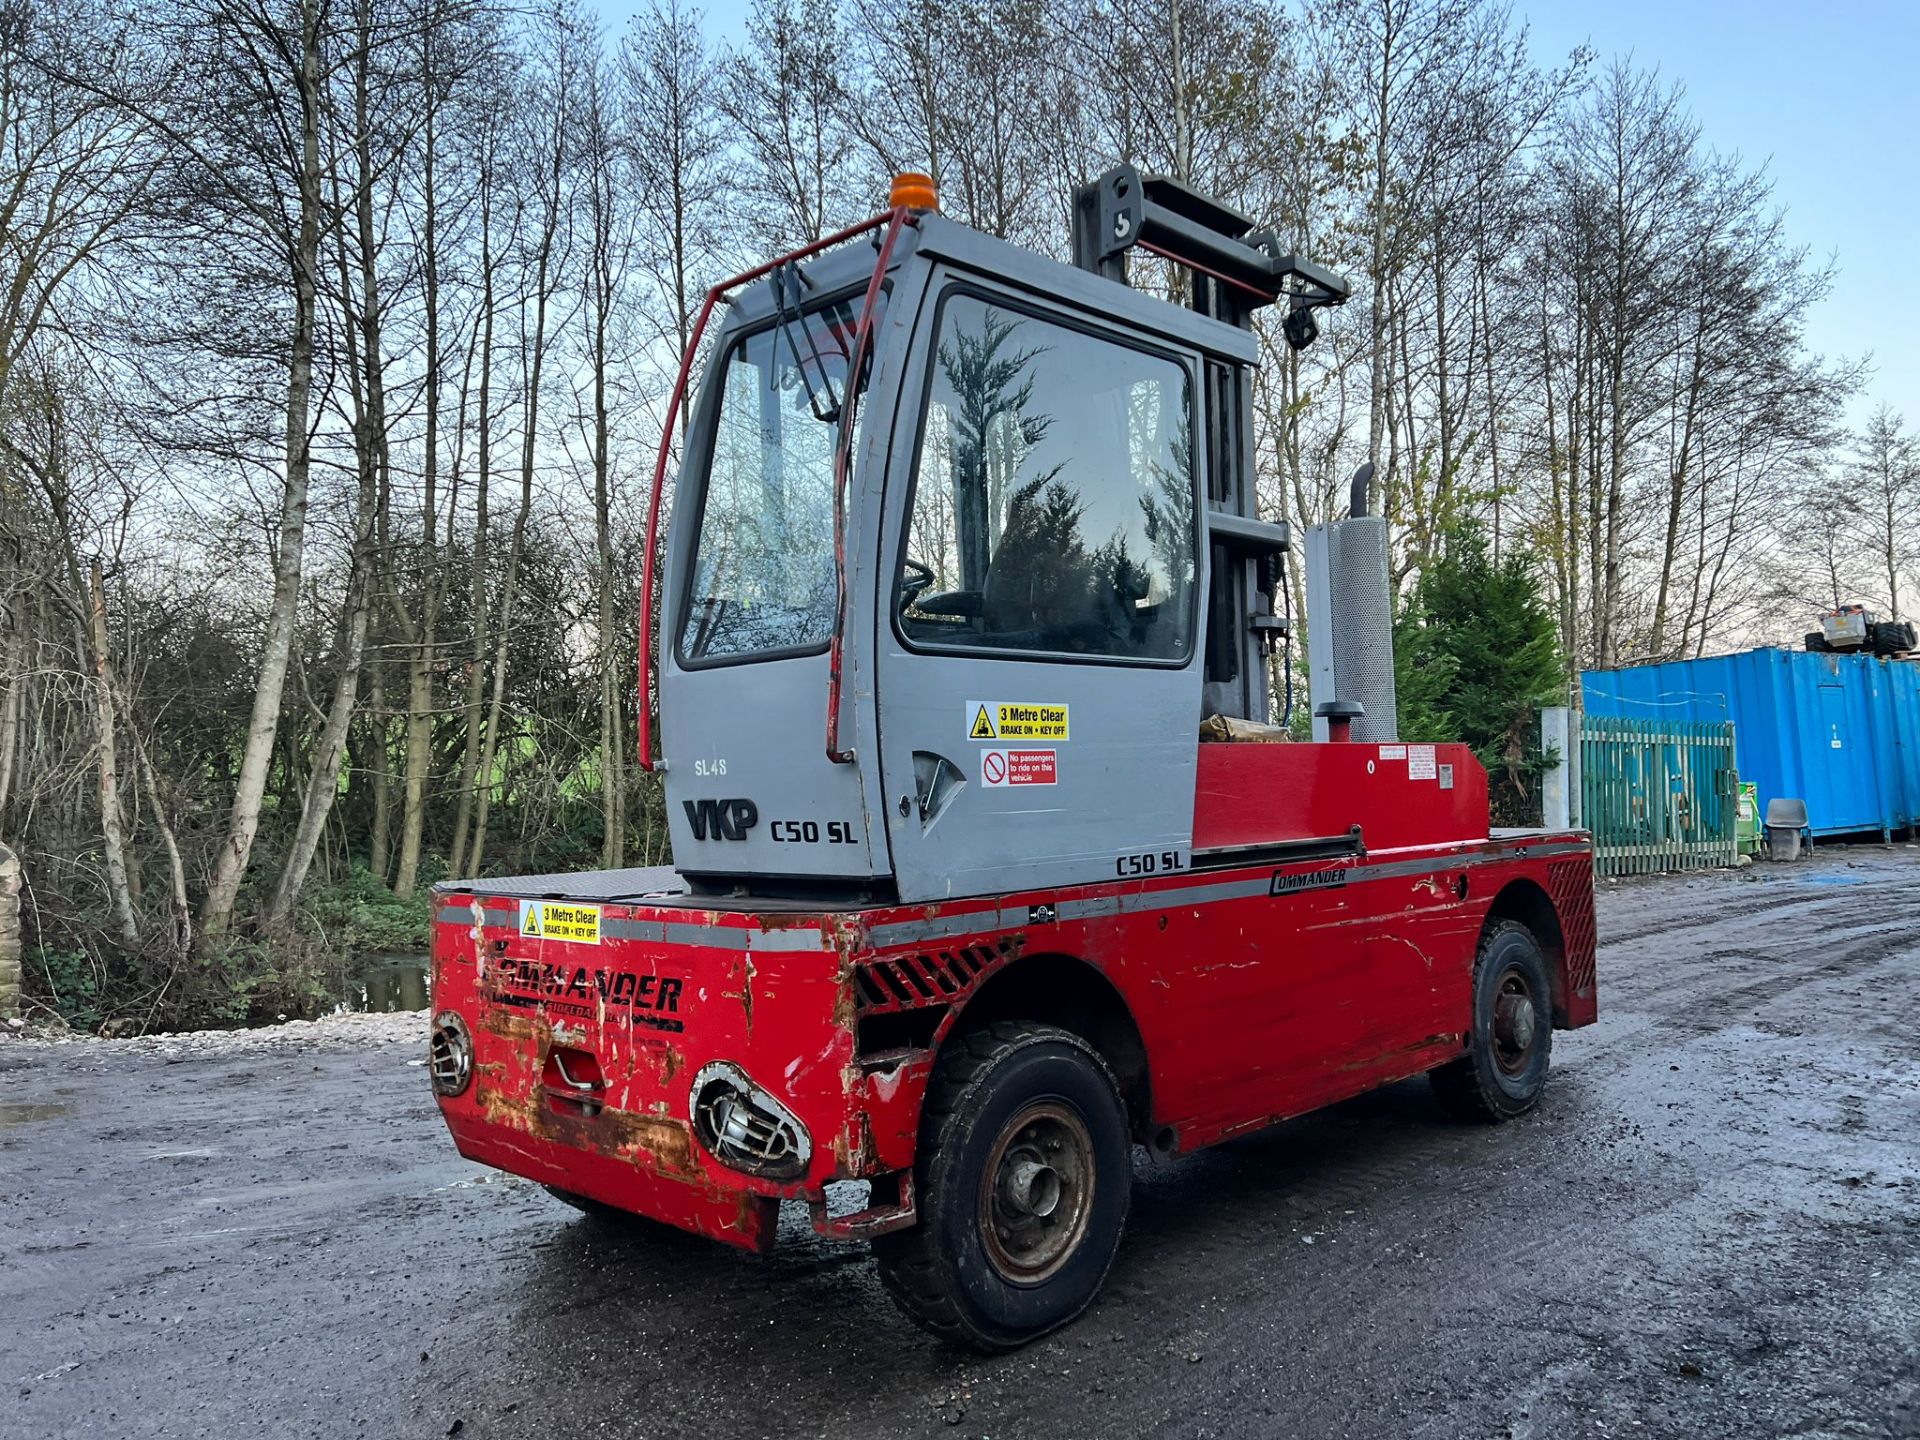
pixel 1847 775
pixel 1037 634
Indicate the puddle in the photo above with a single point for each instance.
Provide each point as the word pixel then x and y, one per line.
pixel 26 1114
pixel 387 982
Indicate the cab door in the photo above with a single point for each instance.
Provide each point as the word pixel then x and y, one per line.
pixel 1038 617
pixel 750 596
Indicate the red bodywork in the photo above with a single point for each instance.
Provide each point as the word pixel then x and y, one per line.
pixel 1265 978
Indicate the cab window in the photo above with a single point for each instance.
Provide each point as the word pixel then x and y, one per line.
pixel 1053 501
pixel 762 579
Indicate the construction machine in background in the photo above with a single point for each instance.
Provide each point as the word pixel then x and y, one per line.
pixel 1856 630
pixel 989 862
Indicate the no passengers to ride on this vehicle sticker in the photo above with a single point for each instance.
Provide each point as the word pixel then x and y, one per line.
pixel 1019 767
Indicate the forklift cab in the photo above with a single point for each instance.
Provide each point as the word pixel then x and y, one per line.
pixel 963 549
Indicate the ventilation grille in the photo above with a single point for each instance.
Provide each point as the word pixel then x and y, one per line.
pixel 912 982
pixel 1573 898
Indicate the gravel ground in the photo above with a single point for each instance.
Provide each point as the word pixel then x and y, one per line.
pixel 1710 1228
pixel 330 1032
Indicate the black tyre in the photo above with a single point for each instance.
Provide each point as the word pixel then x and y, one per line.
pixel 1890 637
pixel 1023 1181
pixel 1505 1067
pixel 1817 642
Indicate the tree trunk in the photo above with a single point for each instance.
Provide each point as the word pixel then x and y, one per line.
pixel 1892 532
pixel 602 279
pixel 323 778
pixel 179 909
pixel 13 688
pixel 112 825
pixel 1676 499
pixel 230 869
pixel 502 655
pixel 1493 414
pixel 483 463
pixel 419 734
pixel 1442 369
pixel 323 782
pixel 379 761
pixel 535 361
pixel 1377 339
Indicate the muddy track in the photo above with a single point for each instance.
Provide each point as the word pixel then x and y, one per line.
pixel 1708 1229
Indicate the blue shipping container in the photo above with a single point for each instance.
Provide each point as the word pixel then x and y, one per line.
pixel 1841 732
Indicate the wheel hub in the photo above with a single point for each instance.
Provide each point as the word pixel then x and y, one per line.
pixel 1036 1195
pixel 1033 1189
pixel 1514 1026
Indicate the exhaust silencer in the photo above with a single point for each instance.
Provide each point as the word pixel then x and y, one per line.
pixel 1350 617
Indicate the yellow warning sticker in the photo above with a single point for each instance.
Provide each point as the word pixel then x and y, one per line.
pixel 552 920
pixel 1016 720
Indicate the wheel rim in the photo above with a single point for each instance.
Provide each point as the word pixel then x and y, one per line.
pixel 1515 1024
pixel 1036 1194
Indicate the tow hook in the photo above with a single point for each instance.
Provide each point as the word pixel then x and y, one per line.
pixel 882 1216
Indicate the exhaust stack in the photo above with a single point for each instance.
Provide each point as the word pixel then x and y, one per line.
pixel 1350 618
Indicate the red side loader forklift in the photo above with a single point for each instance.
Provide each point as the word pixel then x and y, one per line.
pixel 989 865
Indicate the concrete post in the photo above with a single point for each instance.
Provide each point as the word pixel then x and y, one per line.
pixel 9 934
pixel 1555 790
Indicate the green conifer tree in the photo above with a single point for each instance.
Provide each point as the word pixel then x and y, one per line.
pixel 1476 653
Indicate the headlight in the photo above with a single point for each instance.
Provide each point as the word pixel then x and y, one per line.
pixel 450 1055
pixel 745 1127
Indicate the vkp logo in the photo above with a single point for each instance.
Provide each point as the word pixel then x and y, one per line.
pixel 723 819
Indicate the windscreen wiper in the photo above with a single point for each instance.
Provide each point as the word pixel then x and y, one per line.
pixel 786 320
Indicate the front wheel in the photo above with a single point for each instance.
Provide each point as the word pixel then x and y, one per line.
pixel 1024 1179
pixel 1505 1067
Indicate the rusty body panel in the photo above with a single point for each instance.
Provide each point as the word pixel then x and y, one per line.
pixel 1260 988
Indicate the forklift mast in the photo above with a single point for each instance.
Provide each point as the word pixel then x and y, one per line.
pixel 963 549
pixel 1231 270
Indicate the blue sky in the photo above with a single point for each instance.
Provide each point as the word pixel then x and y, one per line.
pixel 1822 95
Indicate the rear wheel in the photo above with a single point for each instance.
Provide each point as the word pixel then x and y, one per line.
pixel 1511 1044
pixel 1024 1179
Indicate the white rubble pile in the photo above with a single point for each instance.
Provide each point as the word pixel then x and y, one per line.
pixel 347 1030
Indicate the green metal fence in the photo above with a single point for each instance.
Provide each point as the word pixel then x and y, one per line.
pixel 1658 795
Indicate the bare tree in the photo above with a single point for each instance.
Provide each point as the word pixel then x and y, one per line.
pixel 785 91
pixel 291 283
pixel 675 133
pixel 360 325
pixel 267 101
pixel 487 180
pixel 605 179
pixel 1883 502
pixel 106 710
pixel 543 265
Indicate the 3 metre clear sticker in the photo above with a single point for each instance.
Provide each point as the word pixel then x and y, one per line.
pixel 1003 720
